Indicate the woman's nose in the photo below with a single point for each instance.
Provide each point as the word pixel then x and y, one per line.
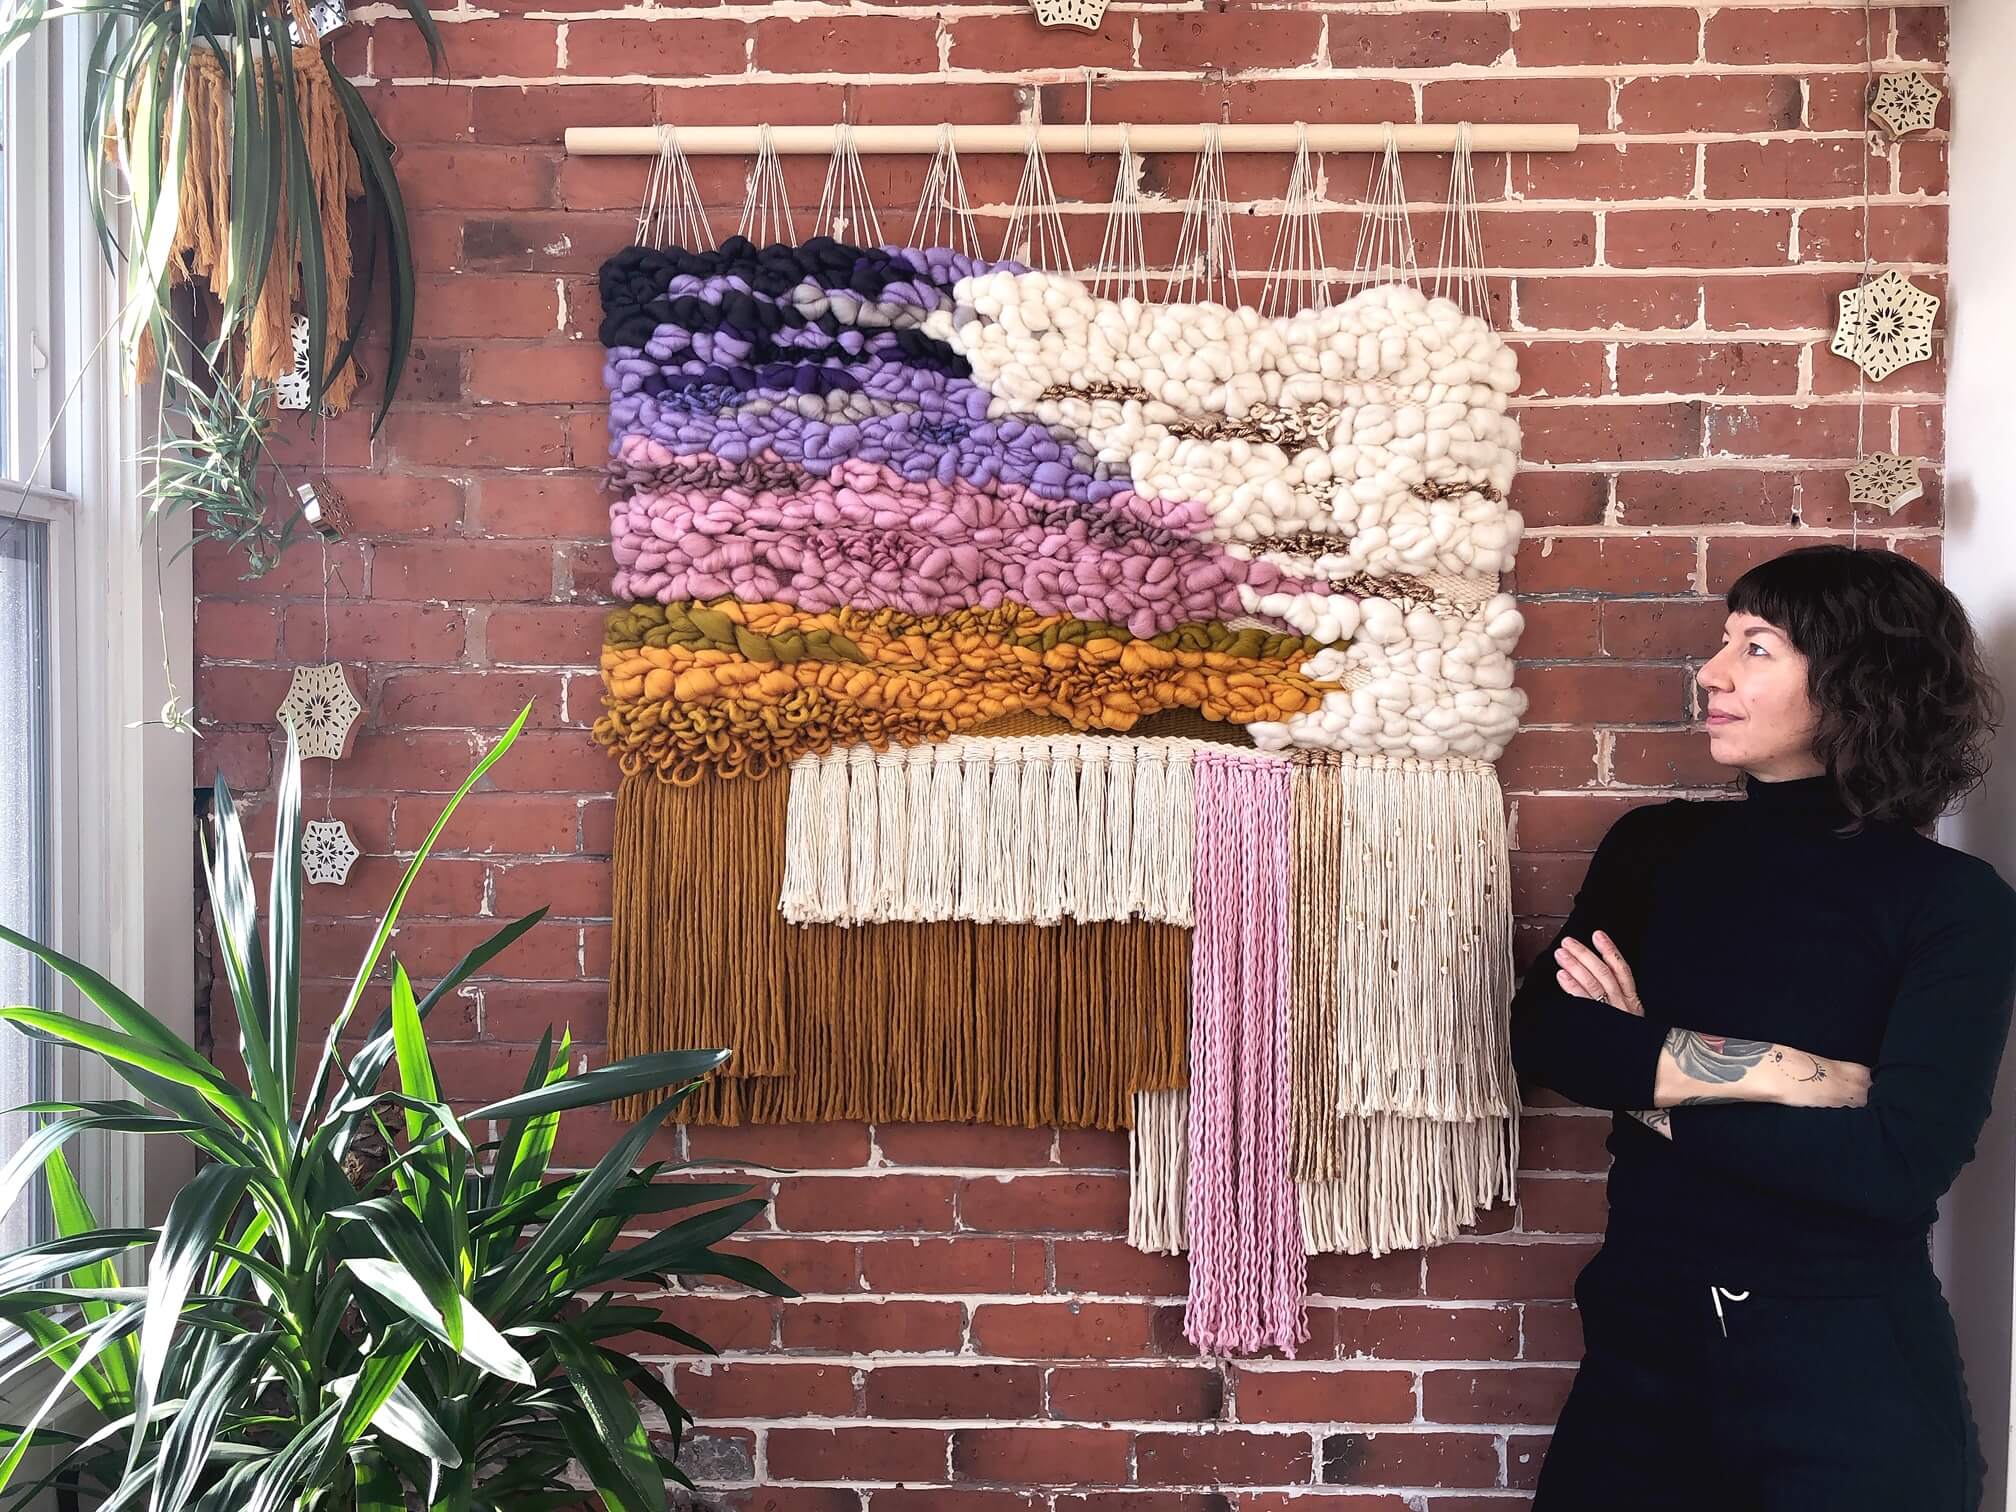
pixel 1713 674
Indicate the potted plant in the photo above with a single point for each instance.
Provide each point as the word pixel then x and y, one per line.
pixel 439 1326
pixel 238 153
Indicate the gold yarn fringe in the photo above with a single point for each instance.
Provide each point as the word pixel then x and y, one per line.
pixel 201 253
pixel 1010 1024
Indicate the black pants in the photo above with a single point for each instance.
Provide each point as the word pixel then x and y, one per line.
pixel 1808 1404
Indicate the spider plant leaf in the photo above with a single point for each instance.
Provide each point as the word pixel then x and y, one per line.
pixel 381 189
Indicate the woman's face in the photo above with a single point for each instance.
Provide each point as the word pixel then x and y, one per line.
pixel 1759 715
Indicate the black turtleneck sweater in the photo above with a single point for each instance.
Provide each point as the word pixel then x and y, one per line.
pixel 1759 920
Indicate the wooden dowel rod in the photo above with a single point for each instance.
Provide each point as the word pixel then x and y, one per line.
pixel 741 141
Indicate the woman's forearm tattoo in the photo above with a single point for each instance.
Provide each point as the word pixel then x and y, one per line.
pixel 1716 1057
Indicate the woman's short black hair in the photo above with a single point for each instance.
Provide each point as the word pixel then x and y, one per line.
pixel 1906 707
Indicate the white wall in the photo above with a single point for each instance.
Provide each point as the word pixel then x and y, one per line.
pixel 1975 1245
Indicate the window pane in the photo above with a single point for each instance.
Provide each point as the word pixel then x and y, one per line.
pixel 24 822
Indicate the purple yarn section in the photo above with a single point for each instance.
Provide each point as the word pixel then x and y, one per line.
pixel 918 442
pixel 866 538
pixel 1248 1271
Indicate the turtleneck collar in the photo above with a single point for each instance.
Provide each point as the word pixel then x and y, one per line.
pixel 1800 795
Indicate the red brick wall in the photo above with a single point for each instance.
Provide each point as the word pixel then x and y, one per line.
pixel 976 1336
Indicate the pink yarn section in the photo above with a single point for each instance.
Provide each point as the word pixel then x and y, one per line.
pixel 867 538
pixel 1248 1271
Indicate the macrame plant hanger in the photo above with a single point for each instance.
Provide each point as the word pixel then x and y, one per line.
pixel 1123 260
pixel 945 213
pixel 1459 266
pixel 1035 235
pixel 1385 239
pixel 1297 277
pixel 766 212
pixel 846 205
pixel 673 214
pixel 1206 268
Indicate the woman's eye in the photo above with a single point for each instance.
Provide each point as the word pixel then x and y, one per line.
pixel 1758 647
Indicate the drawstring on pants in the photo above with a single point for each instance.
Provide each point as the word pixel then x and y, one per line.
pixel 1716 1294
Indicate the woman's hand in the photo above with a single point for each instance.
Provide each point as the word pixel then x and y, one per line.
pixel 1601 974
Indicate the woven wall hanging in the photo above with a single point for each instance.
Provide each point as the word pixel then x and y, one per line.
pixel 1042 705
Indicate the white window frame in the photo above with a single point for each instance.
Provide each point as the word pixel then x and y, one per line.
pixel 121 831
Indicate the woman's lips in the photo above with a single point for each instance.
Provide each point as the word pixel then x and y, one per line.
pixel 1721 719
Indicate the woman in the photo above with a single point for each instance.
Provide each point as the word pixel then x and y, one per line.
pixel 1801 1002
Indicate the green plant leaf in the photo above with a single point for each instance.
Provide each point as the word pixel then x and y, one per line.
pixel 604 1084
pixel 283 950
pixel 196 1221
pixel 481 1345
pixel 668 1250
pixel 617 1452
pixel 185 1448
pixel 320 1084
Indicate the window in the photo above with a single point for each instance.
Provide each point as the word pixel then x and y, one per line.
pixel 26 808
pixel 96 844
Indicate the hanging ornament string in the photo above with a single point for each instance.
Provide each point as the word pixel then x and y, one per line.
pixel 945 213
pixel 846 206
pixel 1868 266
pixel 329 780
pixel 673 214
pixel 1385 239
pixel 1206 270
pixel 766 213
pixel 1035 236
pixel 1296 276
pixel 1459 266
pixel 1123 256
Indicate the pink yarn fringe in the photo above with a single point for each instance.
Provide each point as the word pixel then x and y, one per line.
pixel 1248 1270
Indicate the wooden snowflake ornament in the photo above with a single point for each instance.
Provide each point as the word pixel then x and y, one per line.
pixel 1905 102
pixel 1083 14
pixel 321 709
pixel 327 852
pixel 1885 324
pixel 1885 481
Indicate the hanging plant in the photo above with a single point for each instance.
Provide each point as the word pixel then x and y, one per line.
pixel 224 163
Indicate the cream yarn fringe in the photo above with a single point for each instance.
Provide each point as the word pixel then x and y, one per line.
pixel 995 830
pixel 1405 1106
